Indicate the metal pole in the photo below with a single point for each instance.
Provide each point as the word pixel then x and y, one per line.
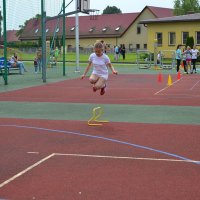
pixel 5 75
pixel 64 37
pixel 0 25
pixel 43 25
pixel 155 52
pixel 77 40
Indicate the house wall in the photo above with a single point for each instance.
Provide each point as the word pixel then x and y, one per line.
pixel 131 36
pixel 165 28
pixel 89 42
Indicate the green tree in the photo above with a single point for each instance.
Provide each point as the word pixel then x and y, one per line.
pixel 178 8
pixel 182 7
pixel 190 41
pixel 111 10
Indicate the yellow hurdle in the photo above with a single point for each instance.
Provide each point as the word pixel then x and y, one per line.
pixel 96 114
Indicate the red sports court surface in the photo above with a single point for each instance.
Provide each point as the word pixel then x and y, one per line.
pixel 46 159
pixel 122 89
pixel 65 160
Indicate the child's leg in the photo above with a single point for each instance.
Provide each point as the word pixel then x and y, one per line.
pixel 190 66
pixel 194 64
pixel 186 66
pixel 101 83
pixel 93 78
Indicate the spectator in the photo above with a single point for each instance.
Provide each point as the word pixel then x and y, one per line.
pixel 56 54
pixel 116 53
pixel 188 54
pixel 39 59
pixel 184 62
pixel 104 46
pixel 195 54
pixel 18 64
pixel 159 58
pixel 35 62
pixel 178 57
pixel 123 51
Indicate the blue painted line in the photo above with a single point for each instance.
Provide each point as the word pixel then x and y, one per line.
pixel 107 139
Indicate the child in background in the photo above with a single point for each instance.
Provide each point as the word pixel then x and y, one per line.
pixel 178 57
pixel 184 62
pixel 188 54
pixel 100 62
pixel 35 62
pixel 195 54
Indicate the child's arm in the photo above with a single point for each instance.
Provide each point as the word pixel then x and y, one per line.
pixel 112 68
pixel 87 69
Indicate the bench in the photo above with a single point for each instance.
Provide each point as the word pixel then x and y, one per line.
pixel 9 66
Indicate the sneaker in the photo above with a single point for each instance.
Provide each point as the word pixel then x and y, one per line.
pixel 103 90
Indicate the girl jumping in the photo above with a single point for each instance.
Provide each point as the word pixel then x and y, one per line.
pixel 100 63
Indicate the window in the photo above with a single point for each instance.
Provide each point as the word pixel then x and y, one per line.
pixel 104 29
pixel 138 30
pixel 57 30
pixel 145 46
pixel 72 29
pixel 137 46
pixel 159 39
pixel 36 30
pixel 117 29
pixel 131 47
pixel 198 37
pixel 91 30
pixel 172 38
pixel 184 37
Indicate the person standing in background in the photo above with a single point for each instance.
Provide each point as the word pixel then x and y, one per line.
pixel 178 57
pixel 123 51
pixel 39 59
pixel 56 54
pixel 188 54
pixel 195 54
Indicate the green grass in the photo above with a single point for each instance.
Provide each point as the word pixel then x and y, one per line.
pixel 130 57
pixel 71 57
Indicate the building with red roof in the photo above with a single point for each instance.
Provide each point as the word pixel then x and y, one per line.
pixel 11 36
pixel 114 29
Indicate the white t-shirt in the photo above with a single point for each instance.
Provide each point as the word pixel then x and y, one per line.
pixel 99 65
pixel 194 53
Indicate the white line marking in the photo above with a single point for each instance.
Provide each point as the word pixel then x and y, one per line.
pixel 194 85
pixel 30 152
pixel 128 158
pixel 167 87
pixel 26 170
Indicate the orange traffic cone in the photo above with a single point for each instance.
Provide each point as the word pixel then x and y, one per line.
pixel 169 83
pixel 179 75
pixel 182 65
pixel 159 77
